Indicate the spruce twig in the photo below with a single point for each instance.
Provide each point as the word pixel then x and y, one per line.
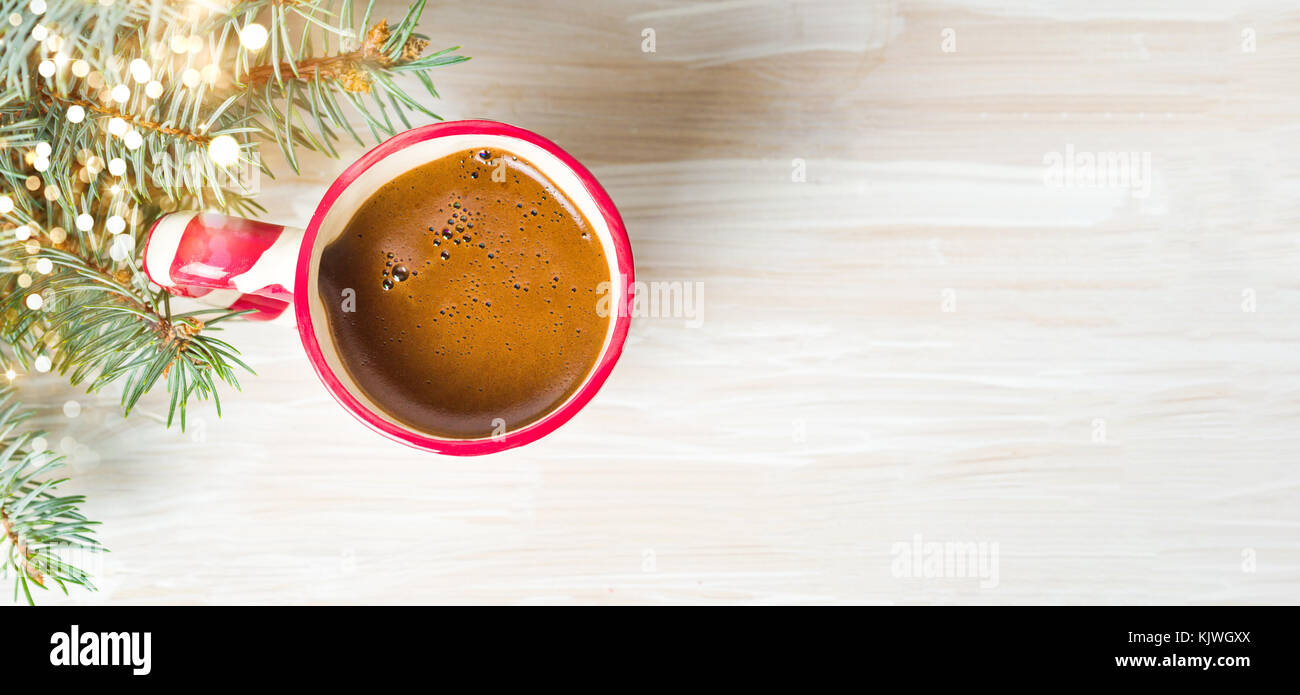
pixel 37 524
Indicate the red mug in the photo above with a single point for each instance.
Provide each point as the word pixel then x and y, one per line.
pixel 269 269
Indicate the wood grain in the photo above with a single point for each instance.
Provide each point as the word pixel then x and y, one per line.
pixel 921 339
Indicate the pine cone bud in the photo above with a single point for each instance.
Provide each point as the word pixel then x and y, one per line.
pixel 413 49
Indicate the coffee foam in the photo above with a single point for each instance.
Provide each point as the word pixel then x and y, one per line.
pixel 398 162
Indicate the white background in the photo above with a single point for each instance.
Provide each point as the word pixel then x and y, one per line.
pixel 1100 402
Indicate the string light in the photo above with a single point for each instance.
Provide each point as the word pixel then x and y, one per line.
pixel 23 233
pixel 253 37
pixel 41 164
pixel 140 71
pixel 44 266
pixel 34 301
pixel 153 90
pixel 122 248
pixel 224 150
pixel 115 225
pixel 117 126
pixel 6 204
pixel 121 93
pixel 133 140
pixel 116 166
pixel 190 78
pixel 43 149
pixel 80 68
pixel 46 68
pixel 33 183
pixel 43 362
pixel 76 114
pixel 84 222
pixel 37 6
pixel 39 32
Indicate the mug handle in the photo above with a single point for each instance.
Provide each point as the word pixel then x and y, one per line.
pixel 224 261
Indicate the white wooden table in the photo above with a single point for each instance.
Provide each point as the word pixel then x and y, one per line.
pixel 924 340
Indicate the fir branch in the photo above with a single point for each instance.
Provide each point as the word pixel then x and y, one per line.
pixel 21 553
pixel 37 524
pixel 293 94
pixel 137 121
pixel 106 327
pixel 348 68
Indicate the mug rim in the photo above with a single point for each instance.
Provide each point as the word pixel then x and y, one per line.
pixel 550 421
